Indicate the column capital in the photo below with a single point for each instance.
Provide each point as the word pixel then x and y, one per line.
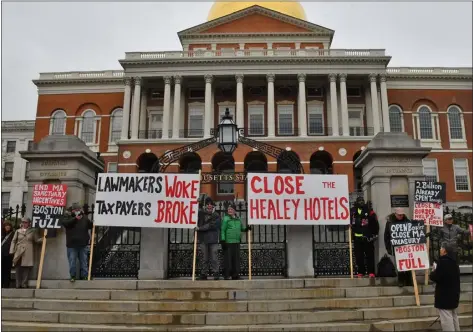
pixel 239 78
pixel 167 79
pixel 301 77
pixel 332 77
pixel 270 78
pixel 208 78
pixel 372 77
pixel 382 78
pixel 137 80
pixel 343 77
pixel 128 81
pixel 177 79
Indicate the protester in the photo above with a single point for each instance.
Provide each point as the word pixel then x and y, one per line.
pixel 446 275
pixel 77 226
pixel 22 249
pixel 7 258
pixel 231 236
pixel 365 227
pixel 403 278
pixel 208 225
pixel 451 234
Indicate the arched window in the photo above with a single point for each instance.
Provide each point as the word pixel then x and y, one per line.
pixel 116 125
pixel 395 119
pixel 425 123
pixel 455 123
pixel 58 123
pixel 87 132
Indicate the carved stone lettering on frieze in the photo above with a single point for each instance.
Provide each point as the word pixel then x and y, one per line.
pixel 399 171
pixel 399 160
pixel 53 163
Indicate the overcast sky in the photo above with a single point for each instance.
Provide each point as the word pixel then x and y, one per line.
pixel 46 37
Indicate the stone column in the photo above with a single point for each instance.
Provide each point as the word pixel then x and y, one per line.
pixel 176 118
pixel 143 114
pixel 333 104
pixel 152 265
pixel 240 116
pixel 302 106
pixel 299 252
pixel 208 106
pixel 136 109
pixel 126 109
pixel 271 111
pixel 344 104
pixel 167 106
pixel 384 103
pixel 374 104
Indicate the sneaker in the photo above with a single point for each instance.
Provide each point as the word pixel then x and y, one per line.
pixel 73 279
pixel 360 275
pixel 372 275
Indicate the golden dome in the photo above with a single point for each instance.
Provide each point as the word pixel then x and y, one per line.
pixel 291 8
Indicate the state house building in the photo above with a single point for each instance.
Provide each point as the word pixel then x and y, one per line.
pixel 283 84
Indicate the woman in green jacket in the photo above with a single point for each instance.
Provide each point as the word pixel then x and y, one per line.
pixel 230 234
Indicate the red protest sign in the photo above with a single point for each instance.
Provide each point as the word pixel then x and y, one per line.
pixel 430 213
pixel 49 194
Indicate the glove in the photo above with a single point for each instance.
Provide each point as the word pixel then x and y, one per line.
pixel 196 229
pixel 249 228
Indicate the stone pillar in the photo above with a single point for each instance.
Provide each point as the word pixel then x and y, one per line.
pixel 143 114
pixel 384 103
pixel 136 109
pixel 388 160
pixel 333 104
pixel 240 116
pixel 61 159
pixel 167 106
pixel 374 104
pixel 126 109
pixel 271 111
pixel 299 252
pixel 176 119
pixel 208 106
pixel 344 104
pixel 153 254
pixel 302 103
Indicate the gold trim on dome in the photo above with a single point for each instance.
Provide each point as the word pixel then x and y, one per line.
pixel 291 8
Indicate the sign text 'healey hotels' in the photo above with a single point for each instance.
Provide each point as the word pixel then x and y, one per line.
pixel 298 199
pixel 147 200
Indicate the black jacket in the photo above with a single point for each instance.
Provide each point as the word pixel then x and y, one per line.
pixel 447 283
pixel 77 231
pixel 209 226
pixel 7 244
pixel 387 231
pixel 365 223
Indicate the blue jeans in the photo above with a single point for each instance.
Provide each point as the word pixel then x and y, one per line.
pixel 77 253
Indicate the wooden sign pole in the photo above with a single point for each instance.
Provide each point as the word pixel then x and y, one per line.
pixel 416 289
pixel 249 254
pixel 41 260
pixel 92 244
pixel 350 252
pixel 426 281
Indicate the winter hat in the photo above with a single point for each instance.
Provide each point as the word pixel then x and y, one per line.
pixel 232 205
pixel 209 201
pixel 447 216
pixel 76 206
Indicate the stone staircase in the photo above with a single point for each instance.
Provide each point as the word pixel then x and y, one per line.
pixel 336 304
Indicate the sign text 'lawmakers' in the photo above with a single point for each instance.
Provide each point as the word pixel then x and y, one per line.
pixel 298 199
pixel 147 200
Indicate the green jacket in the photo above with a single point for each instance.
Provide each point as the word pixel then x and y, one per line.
pixel 231 229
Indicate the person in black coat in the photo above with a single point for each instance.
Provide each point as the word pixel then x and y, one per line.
pixel 365 228
pixel 7 258
pixel 446 275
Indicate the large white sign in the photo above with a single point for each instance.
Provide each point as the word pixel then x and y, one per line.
pixel 412 257
pixel 147 200
pixel 298 199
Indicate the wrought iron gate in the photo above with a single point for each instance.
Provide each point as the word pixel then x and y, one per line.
pixel 268 248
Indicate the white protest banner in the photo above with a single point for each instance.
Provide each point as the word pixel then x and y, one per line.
pixel 298 199
pixel 147 200
pixel 431 213
pixel 412 257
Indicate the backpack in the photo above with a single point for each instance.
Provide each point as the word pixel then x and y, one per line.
pixel 386 268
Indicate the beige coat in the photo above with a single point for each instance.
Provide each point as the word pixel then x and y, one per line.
pixel 22 246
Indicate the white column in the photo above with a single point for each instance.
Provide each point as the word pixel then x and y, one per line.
pixel 271 120
pixel 374 104
pixel 208 106
pixel 333 104
pixel 176 118
pixel 344 104
pixel 167 106
pixel 240 116
pixel 384 103
pixel 135 112
pixel 126 109
pixel 302 106
pixel 143 113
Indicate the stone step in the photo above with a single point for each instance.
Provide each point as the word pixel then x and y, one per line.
pixel 218 306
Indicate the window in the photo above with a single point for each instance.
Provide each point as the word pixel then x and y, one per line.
pixel 87 133
pixel 24 199
pixel 430 169
pixel 30 145
pixel 155 123
pixel 285 120
pixel 112 167
pixel 460 171
pixel 11 146
pixel 355 121
pixel 196 121
pixel 425 123
pixel 226 188
pixel 5 202
pixel 221 112
pixel 27 171
pixel 455 123
pixel 116 125
pixel 157 94
pixel 256 120
pixel 395 119
pixel 353 92
pixel 8 171
pixel 315 117
pixel 58 123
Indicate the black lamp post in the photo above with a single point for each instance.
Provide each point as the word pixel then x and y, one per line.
pixel 227 134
